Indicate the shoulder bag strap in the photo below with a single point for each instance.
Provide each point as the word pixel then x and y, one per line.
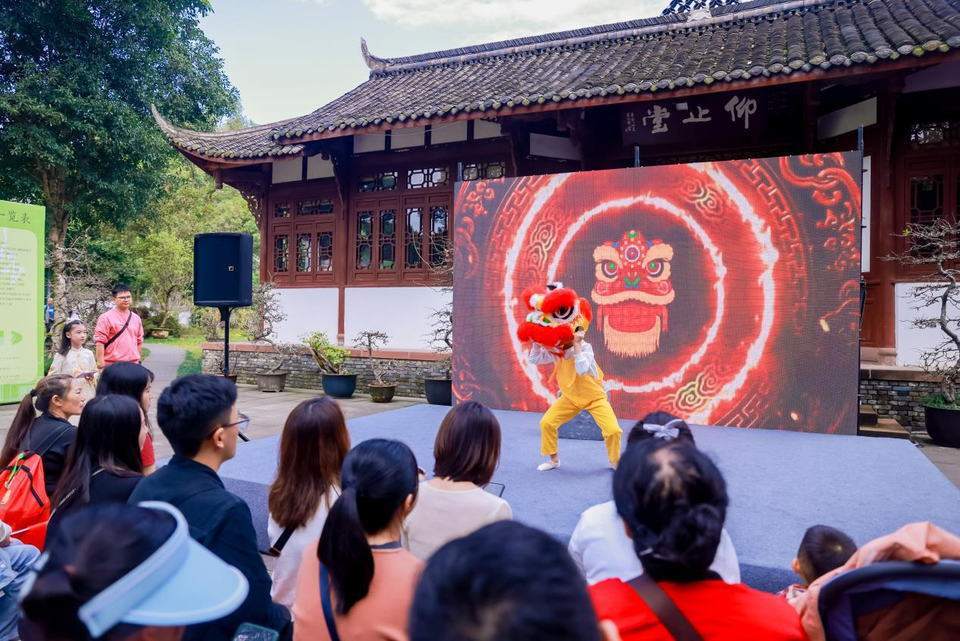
pixel 325 603
pixel 117 335
pixel 51 441
pixel 664 608
pixel 277 547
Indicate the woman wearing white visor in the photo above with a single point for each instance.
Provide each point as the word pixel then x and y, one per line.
pixel 117 571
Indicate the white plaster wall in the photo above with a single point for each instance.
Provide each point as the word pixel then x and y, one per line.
pixel 448 132
pixel 402 312
pixel 317 167
pixel 363 143
pixel 486 129
pixel 285 171
pixel 910 340
pixel 308 309
pixel 405 138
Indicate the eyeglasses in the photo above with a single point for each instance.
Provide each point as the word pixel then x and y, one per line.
pixel 243 423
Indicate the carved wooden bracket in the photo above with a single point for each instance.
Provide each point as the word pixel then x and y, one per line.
pixel 254 193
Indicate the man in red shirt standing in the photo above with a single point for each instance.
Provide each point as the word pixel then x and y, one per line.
pixel 119 332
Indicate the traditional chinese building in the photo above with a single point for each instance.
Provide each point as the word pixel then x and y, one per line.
pixel 354 199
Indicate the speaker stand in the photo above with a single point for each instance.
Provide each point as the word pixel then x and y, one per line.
pixel 225 317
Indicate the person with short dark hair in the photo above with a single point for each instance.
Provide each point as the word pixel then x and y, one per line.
pixel 198 415
pixel 104 463
pixel 313 445
pixel 119 332
pixel 360 570
pixel 504 582
pixel 453 503
pixel 673 502
pixel 600 546
pixel 136 381
pixel 121 572
pixel 822 549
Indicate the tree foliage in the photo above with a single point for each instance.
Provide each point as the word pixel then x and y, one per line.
pixel 77 78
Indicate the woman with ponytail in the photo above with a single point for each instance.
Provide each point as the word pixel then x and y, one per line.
pixel 58 398
pixel 673 502
pixel 360 583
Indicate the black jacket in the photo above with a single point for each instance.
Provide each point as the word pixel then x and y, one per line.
pixel 54 460
pixel 105 487
pixel 221 522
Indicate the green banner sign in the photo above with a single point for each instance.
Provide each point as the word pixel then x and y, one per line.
pixel 21 299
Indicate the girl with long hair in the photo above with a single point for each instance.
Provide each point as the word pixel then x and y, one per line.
pixel 313 445
pixel 58 398
pixel 74 359
pixel 360 569
pixel 136 381
pixel 104 463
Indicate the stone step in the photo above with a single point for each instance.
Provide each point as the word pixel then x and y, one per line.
pixel 868 416
pixel 885 427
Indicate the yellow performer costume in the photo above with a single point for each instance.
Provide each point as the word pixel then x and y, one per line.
pixel 555 327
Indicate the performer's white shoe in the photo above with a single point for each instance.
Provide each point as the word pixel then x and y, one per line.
pixel 549 465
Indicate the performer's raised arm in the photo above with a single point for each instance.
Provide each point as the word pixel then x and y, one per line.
pixel 540 355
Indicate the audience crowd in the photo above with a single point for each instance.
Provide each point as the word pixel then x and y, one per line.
pixel 365 545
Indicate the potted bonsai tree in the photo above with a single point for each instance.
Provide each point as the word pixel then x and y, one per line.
pixel 438 384
pixel 330 359
pixel 380 391
pixel 937 246
pixel 261 323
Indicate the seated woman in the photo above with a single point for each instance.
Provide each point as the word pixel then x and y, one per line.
pixel 600 546
pixel 673 501
pixel 116 571
pixel 360 582
pixel 58 398
pixel 104 463
pixel 313 445
pixel 133 380
pixel 454 503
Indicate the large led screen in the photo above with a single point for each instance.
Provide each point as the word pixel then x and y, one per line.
pixel 727 293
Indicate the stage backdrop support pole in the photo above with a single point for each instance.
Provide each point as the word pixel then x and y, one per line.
pixel 863 282
pixel 636 155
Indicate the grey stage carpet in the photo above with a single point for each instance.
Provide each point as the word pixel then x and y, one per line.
pixel 779 482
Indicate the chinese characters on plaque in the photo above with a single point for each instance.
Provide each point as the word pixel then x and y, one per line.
pixel 723 117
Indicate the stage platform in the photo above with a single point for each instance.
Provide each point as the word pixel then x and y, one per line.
pixel 779 482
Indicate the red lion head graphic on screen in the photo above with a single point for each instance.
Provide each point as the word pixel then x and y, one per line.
pixel 632 292
pixel 554 314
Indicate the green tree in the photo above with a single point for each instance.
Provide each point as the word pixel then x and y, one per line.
pixel 77 78
pixel 167 265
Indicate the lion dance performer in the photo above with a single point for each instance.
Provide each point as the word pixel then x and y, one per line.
pixel 555 326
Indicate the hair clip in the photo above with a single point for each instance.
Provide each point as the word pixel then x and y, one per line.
pixel 33 393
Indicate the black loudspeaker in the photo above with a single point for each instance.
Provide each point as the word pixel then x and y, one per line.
pixel 223 270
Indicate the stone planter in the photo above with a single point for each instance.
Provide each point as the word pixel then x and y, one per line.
pixel 943 425
pixel 160 332
pixel 339 385
pixel 271 381
pixel 382 393
pixel 439 391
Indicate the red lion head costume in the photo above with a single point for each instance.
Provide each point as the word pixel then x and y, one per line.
pixel 555 313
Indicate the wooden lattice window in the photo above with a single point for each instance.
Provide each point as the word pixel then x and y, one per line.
pixel 427 177
pixel 383 181
pixel 364 240
pixel 413 238
pixel 484 170
pixel 387 239
pixel 439 233
pixel 304 252
pixel 935 134
pixel 315 207
pixel 325 251
pixel 281 253
pixel 281 210
pixel 926 199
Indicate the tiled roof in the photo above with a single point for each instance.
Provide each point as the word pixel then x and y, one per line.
pixel 760 38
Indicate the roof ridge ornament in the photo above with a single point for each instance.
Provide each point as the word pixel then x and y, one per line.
pixel 373 62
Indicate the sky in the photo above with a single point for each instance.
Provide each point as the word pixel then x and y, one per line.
pixel 289 57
